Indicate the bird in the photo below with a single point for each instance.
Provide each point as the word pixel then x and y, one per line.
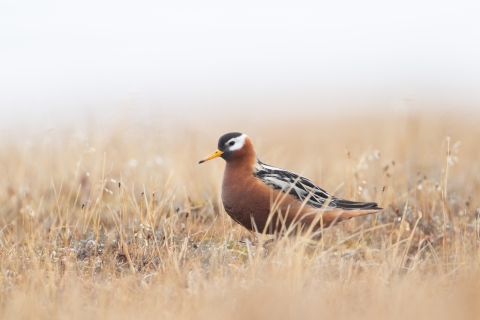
pixel 270 200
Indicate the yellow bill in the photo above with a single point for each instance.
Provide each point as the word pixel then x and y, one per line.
pixel 217 153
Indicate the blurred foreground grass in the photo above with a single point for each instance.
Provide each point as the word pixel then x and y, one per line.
pixel 119 221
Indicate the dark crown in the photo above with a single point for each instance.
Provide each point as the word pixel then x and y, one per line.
pixel 224 139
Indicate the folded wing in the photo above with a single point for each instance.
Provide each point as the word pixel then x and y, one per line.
pixel 305 190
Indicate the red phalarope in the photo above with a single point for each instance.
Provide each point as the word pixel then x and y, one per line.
pixel 266 199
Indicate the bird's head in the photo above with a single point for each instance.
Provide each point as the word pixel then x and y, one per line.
pixel 229 144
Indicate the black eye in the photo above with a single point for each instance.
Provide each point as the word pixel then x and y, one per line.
pixel 231 143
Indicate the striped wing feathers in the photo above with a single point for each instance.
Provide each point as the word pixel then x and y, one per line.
pixel 305 190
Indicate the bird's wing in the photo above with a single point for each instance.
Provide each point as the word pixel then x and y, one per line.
pixel 298 186
pixel 305 190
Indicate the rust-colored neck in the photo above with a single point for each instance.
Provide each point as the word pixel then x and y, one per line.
pixel 243 157
pixel 242 161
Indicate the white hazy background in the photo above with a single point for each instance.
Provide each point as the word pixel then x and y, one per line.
pixel 81 59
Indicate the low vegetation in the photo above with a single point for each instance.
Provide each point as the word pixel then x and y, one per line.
pixel 118 222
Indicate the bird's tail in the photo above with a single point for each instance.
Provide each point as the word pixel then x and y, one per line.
pixel 354 205
pixel 335 216
pixel 345 211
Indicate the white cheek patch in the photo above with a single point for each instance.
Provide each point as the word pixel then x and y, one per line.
pixel 239 142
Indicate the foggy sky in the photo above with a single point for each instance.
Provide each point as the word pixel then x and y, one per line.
pixel 60 58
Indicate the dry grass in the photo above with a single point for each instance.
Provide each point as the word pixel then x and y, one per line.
pixel 119 222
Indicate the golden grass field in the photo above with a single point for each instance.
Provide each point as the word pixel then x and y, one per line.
pixel 118 221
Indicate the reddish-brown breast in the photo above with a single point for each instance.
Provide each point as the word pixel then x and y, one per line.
pixel 246 198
